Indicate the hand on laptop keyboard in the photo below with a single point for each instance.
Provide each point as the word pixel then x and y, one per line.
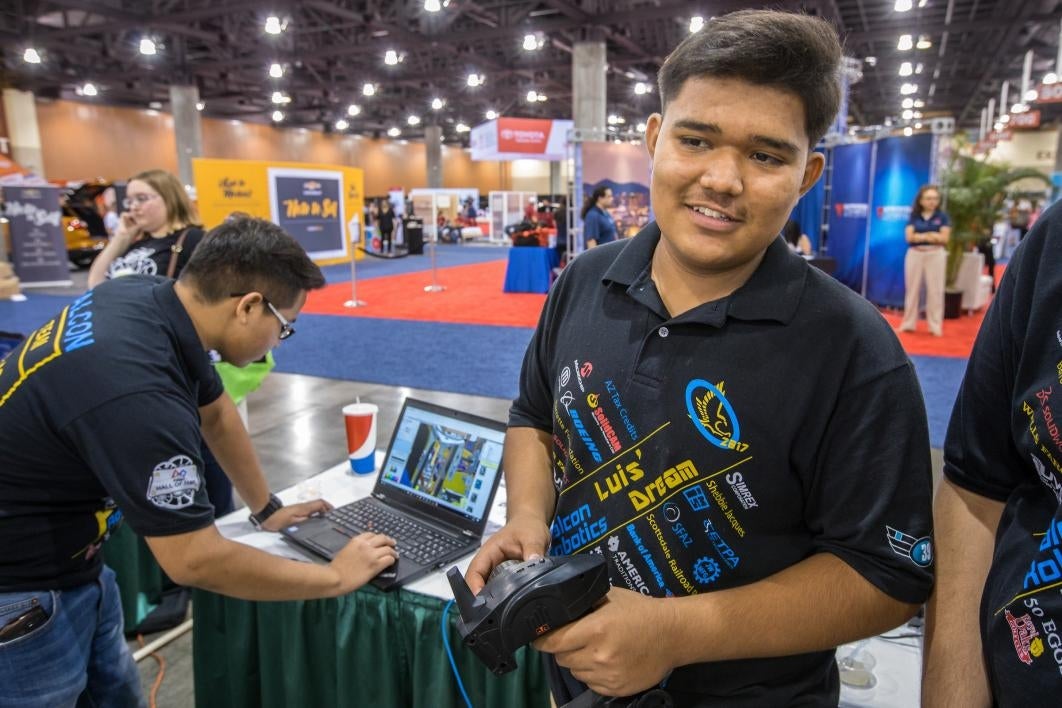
pixel 362 559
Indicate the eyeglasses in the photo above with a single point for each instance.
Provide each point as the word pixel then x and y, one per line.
pixel 286 328
pixel 138 200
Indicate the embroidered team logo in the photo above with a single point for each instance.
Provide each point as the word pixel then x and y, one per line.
pixel 174 483
pixel 713 416
pixel 1027 642
pixel 919 550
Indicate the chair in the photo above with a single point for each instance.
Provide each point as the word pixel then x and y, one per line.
pixel 975 286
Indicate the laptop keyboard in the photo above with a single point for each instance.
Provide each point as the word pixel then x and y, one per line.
pixel 416 541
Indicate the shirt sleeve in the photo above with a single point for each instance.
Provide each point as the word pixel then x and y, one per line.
pixel 869 501
pixel 145 449
pixel 210 387
pixel 944 219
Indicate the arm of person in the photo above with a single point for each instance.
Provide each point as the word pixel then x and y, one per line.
pixel 953 663
pixel 909 234
pixel 205 559
pixel 814 605
pixel 117 246
pixel 804 244
pixel 943 235
pixel 530 500
pixel 227 438
pixel 591 229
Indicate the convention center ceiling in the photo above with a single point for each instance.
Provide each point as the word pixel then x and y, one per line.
pixel 314 63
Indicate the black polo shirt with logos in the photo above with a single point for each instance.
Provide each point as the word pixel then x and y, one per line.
pixel 1004 442
pixel 716 448
pixel 99 421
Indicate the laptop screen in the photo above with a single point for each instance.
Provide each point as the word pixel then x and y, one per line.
pixel 444 460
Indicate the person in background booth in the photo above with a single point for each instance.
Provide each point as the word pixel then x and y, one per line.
pixel 994 621
pixel 157 233
pixel 105 424
pixel 598 226
pixel 752 514
pixel 927 235
pixel 798 240
pixel 385 222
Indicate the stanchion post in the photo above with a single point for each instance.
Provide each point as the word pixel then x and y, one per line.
pixel 355 238
pixel 434 287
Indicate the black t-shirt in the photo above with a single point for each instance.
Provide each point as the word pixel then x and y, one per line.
pixel 716 448
pixel 99 420
pixel 1005 442
pixel 151 256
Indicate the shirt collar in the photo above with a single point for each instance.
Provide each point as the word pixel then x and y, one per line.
pixel 773 291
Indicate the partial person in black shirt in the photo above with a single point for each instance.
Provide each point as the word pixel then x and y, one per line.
pixel 157 233
pixel 103 412
pixel 741 437
pixel 994 622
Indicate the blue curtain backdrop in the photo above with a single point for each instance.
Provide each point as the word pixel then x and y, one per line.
pixel 902 166
pixel 850 191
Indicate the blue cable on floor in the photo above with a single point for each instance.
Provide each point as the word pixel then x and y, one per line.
pixel 450 654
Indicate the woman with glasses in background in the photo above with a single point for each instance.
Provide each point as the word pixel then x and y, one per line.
pixel 156 234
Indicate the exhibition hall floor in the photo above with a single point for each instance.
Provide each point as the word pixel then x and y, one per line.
pixel 295 417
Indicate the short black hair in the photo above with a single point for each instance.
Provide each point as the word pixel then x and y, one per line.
pixel 792 52
pixel 251 255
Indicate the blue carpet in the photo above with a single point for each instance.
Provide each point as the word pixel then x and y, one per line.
pixel 446 256
pixel 940 379
pixel 24 317
pixel 442 357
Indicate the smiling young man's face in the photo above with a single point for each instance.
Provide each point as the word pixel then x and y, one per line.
pixel 730 160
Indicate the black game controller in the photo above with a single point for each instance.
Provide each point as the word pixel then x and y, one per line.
pixel 522 601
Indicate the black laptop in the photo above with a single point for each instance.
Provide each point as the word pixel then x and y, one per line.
pixel 433 494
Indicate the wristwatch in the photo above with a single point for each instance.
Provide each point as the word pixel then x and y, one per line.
pixel 260 518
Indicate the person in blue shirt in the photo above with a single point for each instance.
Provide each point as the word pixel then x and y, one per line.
pixel 598 226
pixel 927 259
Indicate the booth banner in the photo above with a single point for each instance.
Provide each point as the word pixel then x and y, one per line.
pixel 36 224
pixel 308 205
pixel 808 211
pixel 520 138
pixel 849 210
pixel 901 167
pixel 312 202
pixel 625 169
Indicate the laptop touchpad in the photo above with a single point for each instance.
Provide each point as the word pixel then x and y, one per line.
pixel 330 539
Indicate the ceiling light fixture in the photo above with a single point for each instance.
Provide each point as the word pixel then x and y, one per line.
pixel 276 71
pixel 871 61
pixel 413 119
pixel 89 89
pixel 30 56
pixel 368 90
pixel 341 124
pixel 461 128
pixel 437 104
pixel 640 127
pixel 907 103
pixel 907 115
pixel 273 25
pixel 491 114
pixel 147 46
pixel 908 89
pixel 905 43
pixel 641 88
pixel 475 80
pixel 280 98
pixel 353 109
pixel 923 42
pixel 277 116
pixel 394 132
pixel 391 57
pixel 903 5
pixel 908 131
pixel 200 105
pixel 1050 78
pixel 696 24
pixel 906 69
pixel 432 6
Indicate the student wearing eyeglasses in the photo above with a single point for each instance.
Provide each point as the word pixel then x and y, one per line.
pixel 103 413
pixel 156 233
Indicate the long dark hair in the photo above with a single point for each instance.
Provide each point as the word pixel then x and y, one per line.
pixel 592 200
pixel 916 208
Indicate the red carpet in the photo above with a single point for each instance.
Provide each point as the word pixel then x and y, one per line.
pixel 473 295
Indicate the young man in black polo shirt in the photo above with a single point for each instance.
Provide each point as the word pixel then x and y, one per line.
pixel 994 622
pixel 103 412
pixel 740 436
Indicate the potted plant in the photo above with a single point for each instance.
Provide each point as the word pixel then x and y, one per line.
pixel 974 191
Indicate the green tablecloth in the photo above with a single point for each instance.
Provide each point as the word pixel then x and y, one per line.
pixel 140 579
pixel 368 648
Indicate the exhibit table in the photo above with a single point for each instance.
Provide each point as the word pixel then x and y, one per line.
pixel 368 648
pixel 530 269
